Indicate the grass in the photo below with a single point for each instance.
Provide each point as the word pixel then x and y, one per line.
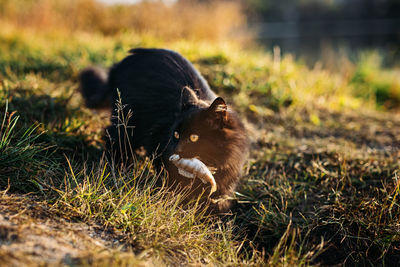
pixel 214 20
pixel 321 186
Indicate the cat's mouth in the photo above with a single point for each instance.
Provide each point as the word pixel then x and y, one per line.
pixel 193 167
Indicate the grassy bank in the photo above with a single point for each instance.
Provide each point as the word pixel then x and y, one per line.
pixel 320 186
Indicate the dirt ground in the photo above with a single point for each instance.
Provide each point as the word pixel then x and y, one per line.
pixel 32 235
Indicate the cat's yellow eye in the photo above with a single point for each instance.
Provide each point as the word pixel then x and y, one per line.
pixel 176 135
pixel 194 137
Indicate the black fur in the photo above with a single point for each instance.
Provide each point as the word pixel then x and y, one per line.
pixel 167 94
pixel 94 87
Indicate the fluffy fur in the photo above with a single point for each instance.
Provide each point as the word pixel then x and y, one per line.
pixel 166 95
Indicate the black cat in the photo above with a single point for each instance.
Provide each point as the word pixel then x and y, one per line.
pixel 173 112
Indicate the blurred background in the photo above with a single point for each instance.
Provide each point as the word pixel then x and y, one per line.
pixel 312 30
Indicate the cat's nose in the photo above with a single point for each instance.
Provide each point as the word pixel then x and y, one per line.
pixel 182 151
pixel 178 149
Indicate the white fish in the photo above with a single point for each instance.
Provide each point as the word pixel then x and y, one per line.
pixel 192 168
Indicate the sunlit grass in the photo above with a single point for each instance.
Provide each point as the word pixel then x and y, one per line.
pixel 212 20
pixel 151 219
pixel 379 86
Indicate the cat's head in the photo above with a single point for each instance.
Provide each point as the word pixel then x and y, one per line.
pixel 213 133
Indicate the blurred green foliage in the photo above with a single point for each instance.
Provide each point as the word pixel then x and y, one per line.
pixel 376 84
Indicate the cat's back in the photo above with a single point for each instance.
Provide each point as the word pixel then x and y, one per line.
pixel 147 74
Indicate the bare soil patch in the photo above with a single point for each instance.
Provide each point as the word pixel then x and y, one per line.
pixel 32 234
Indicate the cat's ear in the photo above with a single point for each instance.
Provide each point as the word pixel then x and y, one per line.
pixel 218 112
pixel 189 97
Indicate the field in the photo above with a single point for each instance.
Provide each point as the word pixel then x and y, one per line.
pixel 321 185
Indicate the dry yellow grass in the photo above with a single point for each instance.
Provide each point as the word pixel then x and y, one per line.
pixel 189 19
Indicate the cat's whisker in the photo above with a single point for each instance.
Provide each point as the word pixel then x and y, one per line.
pixel 213 170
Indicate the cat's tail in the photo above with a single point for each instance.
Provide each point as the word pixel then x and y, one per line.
pixel 94 87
